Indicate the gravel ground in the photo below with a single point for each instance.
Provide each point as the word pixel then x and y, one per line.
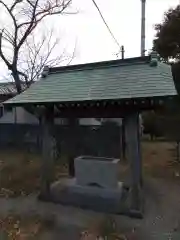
pixel 161 220
pixel 162 212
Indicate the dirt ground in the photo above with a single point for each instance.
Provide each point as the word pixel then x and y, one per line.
pixel 19 179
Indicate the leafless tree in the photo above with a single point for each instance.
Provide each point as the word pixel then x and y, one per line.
pixel 41 51
pixel 25 16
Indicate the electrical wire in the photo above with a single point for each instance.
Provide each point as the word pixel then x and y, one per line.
pixel 111 33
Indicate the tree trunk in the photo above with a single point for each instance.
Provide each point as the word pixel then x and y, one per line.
pixel 17 81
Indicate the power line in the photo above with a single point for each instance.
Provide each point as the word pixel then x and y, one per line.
pixel 112 35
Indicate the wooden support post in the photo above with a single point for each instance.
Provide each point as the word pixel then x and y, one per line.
pixel 134 156
pixel 47 152
pixel 123 141
pixel 73 123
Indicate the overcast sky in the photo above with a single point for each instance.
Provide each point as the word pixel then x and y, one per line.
pixel 94 43
pixel 124 19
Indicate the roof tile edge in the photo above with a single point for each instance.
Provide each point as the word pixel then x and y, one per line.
pixel 103 64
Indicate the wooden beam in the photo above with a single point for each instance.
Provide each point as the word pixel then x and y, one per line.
pixel 115 109
pixel 132 133
pixel 47 152
pixel 107 111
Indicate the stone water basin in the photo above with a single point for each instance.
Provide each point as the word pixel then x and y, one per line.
pixel 96 171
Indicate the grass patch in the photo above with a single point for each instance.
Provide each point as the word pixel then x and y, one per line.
pixel 158 159
pixel 103 229
pixel 21 228
pixel 20 173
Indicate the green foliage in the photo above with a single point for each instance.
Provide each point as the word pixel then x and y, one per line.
pixel 165 122
pixel 151 124
pixel 170 120
pixel 167 45
pixel 167 42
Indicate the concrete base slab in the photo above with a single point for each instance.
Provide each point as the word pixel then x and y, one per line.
pixel 72 186
pixel 67 192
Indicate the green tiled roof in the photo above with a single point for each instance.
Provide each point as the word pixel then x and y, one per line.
pixel 118 79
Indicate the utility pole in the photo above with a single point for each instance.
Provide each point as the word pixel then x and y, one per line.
pixel 122 52
pixel 143 26
pixel 143 49
pixel 122 139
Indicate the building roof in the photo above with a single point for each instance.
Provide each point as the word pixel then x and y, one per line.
pixel 111 80
pixel 9 88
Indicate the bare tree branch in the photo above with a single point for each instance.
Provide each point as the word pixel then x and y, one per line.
pixel 28 56
pixel 10 13
pixel 1 52
pixel 30 27
pixel 48 12
pixel 39 54
pixel 7 36
pixel 39 16
pixel 24 75
pixel 74 52
pixel 14 4
pixel 13 18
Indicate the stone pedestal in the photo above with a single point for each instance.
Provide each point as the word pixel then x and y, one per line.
pixel 68 192
pixel 94 187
